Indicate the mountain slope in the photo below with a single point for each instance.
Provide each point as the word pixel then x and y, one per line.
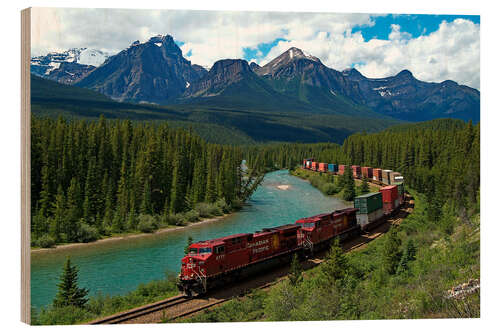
pixel 154 72
pixel 404 97
pixel 305 77
pixel 232 83
pixel 215 124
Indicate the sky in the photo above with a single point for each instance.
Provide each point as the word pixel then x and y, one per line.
pixel 433 47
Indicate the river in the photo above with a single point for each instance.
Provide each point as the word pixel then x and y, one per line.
pixel 111 268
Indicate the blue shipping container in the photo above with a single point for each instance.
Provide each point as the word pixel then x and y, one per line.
pixel 333 167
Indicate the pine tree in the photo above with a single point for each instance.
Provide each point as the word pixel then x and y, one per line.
pixel 335 265
pixel 69 294
pixel 295 275
pixel 349 187
pixel 364 186
pixel 390 252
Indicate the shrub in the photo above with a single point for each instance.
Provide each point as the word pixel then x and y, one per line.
pixel 87 233
pixel 192 216
pixel 46 241
pixel 147 223
pixel 329 188
pixel 175 219
pixel 67 315
pixel 203 209
pixel 223 205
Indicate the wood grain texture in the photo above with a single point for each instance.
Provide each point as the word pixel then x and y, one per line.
pixel 25 165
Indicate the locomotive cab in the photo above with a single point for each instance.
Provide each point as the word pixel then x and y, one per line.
pixel 198 263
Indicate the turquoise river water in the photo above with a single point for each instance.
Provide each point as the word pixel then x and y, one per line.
pixel 117 267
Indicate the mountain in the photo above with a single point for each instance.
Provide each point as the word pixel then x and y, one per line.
pixel 232 83
pixel 68 66
pixel 404 97
pixel 153 72
pixel 156 72
pixel 299 75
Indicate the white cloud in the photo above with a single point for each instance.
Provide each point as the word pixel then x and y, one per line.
pixel 451 52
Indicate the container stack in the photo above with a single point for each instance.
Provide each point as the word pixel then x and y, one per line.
pixel 390 198
pixel 333 168
pixel 377 174
pixel 367 172
pixel 308 164
pixel 323 167
pixel 370 208
pixel 396 178
pixel 401 192
pixel 341 169
pixel 386 176
pixel 356 171
pixel 314 166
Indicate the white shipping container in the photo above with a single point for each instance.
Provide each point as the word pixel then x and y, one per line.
pixel 364 219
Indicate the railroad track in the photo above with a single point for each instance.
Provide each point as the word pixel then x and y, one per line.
pixel 179 307
pixel 141 311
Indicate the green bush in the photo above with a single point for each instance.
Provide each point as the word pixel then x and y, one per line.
pixel 203 209
pixel 87 233
pixel 329 188
pixel 67 315
pixel 46 241
pixel 175 219
pixel 192 216
pixel 223 205
pixel 147 223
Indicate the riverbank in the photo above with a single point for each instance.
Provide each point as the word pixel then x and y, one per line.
pixel 124 237
pixel 328 183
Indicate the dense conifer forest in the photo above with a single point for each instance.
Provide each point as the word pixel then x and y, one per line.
pixel 438 158
pixel 90 179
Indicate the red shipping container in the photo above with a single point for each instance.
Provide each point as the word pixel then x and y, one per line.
pixel 341 169
pixel 377 174
pixel 389 193
pixel 367 172
pixel 323 167
pixel 314 166
pixel 388 207
pixel 356 171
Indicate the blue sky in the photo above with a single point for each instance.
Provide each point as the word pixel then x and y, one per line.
pixel 415 25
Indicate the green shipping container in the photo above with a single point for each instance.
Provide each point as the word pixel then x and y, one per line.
pixel 401 188
pixel 368 203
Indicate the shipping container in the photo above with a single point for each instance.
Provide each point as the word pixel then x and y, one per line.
pixel 308 164
pixel 401 188
pixel 333 168
pixel 388 207
pixel 365 219
pixel 368 203
pixel 389 193
pixel 386 176
pixel 314 166
pixel 377 174
pixel 323 167
pixel 356 171
pixel 395 177
pixel 367 172
pixel 341 169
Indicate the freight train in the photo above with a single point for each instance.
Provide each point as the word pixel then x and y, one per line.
pixel 214 263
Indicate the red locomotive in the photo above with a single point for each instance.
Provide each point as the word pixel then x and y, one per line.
pixel 215 262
